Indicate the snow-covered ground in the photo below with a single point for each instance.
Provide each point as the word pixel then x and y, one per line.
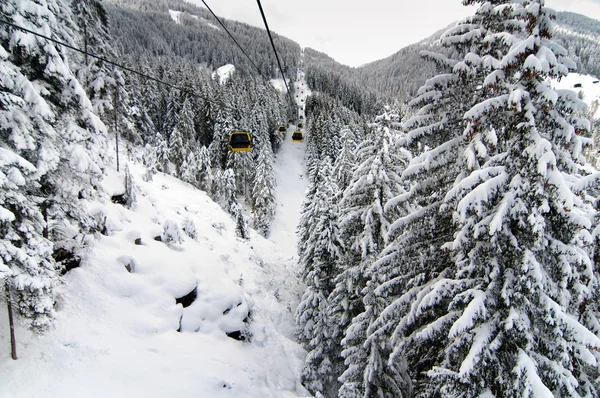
pixel 117 332
pixel 291 187
pixel 589 85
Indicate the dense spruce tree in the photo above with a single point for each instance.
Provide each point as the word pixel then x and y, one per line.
pixel 493 269
pixel 521 249
pixel 52 143
pixel 364 227
pixel 346 159
pixel 318 257
pixel 263 190
pixel 27 270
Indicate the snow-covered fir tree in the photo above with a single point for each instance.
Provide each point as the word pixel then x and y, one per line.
pixel 364 225
pixel 318 257
pixel 52 145
pixel 27 270
pixel 494 267
pixel 263 189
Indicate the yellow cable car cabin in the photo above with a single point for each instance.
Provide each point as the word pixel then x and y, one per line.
pixel 300 125
pixel 297 136
pixel 282 129
pixel 240 141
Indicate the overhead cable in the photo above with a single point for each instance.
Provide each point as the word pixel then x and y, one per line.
pixel 274 50
pixel 233 38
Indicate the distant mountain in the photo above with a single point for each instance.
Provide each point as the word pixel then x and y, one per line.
pixel 400 75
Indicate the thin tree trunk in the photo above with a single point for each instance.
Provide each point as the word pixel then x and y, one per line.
pixel 11 322
pixel 45 232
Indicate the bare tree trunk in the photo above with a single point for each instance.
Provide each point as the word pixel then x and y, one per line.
pixel 11 322
pixel 45 232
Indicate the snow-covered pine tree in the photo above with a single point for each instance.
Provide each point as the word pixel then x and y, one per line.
pixel 318 257
pixel 161 155
pixel 345 162
pixel 414 270
pixel 518 303
pixel 190 168
pixel 363 227
pixel 27 268
pixel 177 150
pixel 47 121
pixel 91 19
pixel 205 173
pixel 263 189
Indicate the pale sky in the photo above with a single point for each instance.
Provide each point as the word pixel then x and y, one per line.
pixel 356 32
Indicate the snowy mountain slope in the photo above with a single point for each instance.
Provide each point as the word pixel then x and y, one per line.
pixel 116 331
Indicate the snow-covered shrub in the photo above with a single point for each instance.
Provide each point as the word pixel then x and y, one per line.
pixel 189 227
pixel 171 232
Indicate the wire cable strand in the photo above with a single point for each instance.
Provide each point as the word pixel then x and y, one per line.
pixel 275 51
pixel 233 38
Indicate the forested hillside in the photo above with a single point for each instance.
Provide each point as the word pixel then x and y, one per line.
pixel 144 29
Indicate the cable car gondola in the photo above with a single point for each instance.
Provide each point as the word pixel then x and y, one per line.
pixel 240 141
pixel 282 129
pixel 300 125
pixel 297 136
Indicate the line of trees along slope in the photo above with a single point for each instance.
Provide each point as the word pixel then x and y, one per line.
pixel 60 112
pixel 454 255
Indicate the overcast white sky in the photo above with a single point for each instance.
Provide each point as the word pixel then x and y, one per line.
pixel 356 32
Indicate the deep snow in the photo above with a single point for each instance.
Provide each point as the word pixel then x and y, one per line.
pixel 116 332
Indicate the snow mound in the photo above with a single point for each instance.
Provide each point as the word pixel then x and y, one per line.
pixel 279 85
pixel 224 72
pixel 120 331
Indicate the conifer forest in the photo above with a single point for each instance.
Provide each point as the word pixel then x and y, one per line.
pixel 426 225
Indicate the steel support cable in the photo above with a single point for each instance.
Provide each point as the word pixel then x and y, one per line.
pixel 275 51
pixel 125 68
pixel 233 38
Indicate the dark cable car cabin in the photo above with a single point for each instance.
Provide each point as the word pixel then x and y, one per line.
pixel 282 129
pixel 298 136
pixel 240 141
pixel 300 125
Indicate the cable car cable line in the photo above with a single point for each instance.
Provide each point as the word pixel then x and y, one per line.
pixel 233 38
pixel 275 51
